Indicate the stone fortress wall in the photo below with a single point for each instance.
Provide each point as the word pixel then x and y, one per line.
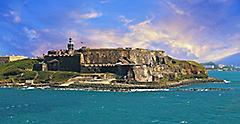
pixel 6 59
pixel 120 55
pixel 63 63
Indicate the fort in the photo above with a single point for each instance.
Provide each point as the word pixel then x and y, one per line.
pixel 6 59
pixel 133 64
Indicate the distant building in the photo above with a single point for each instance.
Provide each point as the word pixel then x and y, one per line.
pixel 29 81
pixel 221 66
pixel 6 59
pixel 209 66
pixel 40 67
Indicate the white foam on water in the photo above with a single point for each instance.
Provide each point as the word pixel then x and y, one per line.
pixel 226 81
pixel 183 122
pixel 148 90
pixel 162 97
pixel 155 121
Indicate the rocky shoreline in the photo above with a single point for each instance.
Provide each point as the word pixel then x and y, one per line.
pixel 115 87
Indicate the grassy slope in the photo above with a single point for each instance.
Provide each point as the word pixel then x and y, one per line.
pixel 20 71
pixel 14 69
pixel 55 76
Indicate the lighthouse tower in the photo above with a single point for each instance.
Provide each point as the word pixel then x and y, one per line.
pixel 70 46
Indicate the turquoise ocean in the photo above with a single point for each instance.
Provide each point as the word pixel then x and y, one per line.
pixel 89 107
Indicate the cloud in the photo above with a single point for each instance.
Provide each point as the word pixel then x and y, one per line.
pixel 173 36
pixel 14 16
pixel 140 35
pixel 124 20
pixel 182 30
pixel 146 33
pixel 46 39
pixel 231 48
pixel 41 49
pixel 180 37
pixel 31 34
pixel 88 15
pixel 175 8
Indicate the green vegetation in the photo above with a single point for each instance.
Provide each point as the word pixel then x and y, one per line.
pixel 28 75
pixel 20 71
pixel 13 70
pixel 26 64
pixel 196 64
pixel 44 76
pixel 57 76
pixel 186 69
pixel 191 76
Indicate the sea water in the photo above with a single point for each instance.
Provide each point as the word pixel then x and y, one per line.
pixel 89 107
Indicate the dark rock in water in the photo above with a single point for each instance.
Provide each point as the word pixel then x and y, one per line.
pixel 204 89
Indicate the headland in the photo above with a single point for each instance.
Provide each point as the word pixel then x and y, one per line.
pixel 119 69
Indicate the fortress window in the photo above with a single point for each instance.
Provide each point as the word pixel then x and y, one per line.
pixel 97 54
pixel 152 59
pixel 103 55
pixel 157 59
pixel 174 62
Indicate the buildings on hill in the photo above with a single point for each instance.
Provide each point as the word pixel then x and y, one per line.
pixel 220 67
pixel 6 59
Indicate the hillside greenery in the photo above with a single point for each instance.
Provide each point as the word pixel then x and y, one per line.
pixel 20 71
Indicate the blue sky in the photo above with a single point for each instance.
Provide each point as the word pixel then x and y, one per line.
pixel 202 30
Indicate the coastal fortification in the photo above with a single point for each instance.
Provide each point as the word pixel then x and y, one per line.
pixel 6 59
pixel 132 64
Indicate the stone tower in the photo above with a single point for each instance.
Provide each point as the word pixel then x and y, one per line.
pixel 70 46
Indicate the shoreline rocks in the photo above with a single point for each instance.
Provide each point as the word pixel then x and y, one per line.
pixel 118 87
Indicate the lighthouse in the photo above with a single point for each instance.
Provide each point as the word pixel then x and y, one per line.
pixel 70 46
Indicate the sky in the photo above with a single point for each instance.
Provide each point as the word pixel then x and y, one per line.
pixel 201 30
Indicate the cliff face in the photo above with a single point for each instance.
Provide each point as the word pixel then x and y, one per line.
pixel 172 70
pixel 147 65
